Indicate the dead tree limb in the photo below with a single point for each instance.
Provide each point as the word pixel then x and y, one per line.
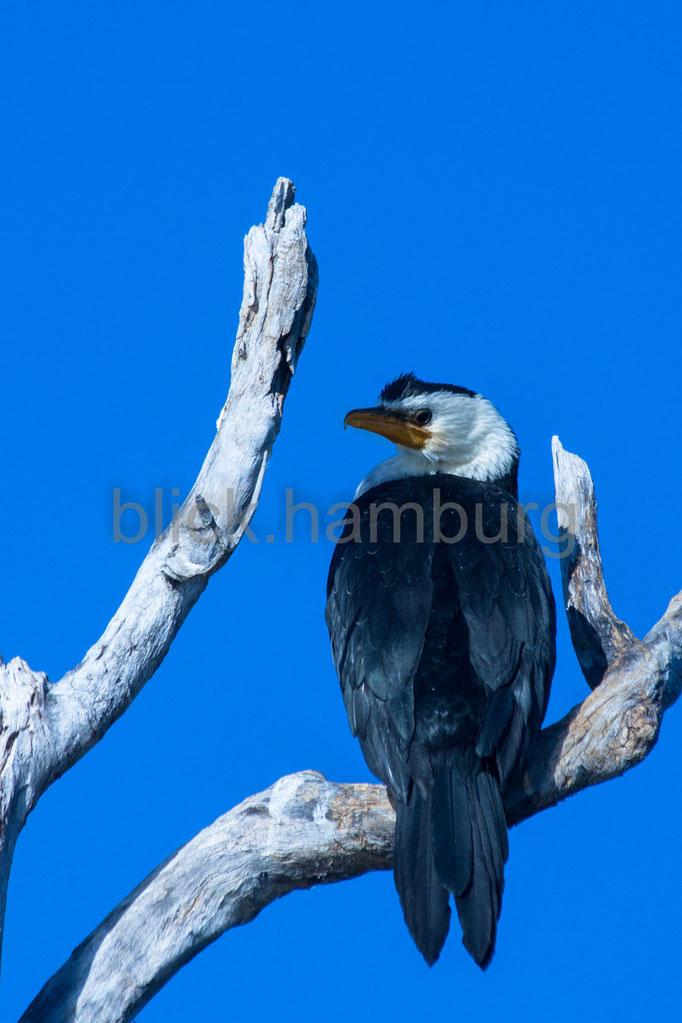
pixel 633 681
pixel 598 636
pixel 300 832
pixel 44 728
pixel 305 831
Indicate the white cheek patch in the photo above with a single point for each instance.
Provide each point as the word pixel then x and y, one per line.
pixel 469 438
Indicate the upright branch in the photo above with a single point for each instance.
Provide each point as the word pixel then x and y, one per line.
pixel 598 635
pixel 305 831
pixel 633 681
pixel 45 729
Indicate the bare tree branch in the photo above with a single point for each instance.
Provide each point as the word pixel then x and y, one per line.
pixel 45 729
pixel 300 832
pixel 636 681
pixel 305 831
pixel 598 635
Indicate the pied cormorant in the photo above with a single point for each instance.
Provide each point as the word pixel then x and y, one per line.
pixel 442 624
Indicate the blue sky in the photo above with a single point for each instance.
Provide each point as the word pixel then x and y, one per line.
pixel 494 200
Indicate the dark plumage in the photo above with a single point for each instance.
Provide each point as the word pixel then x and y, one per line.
pixel 445 653
pixel 407 385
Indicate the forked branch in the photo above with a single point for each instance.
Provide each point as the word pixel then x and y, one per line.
pixel 305 831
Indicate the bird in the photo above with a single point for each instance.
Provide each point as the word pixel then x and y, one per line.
pixel 443 631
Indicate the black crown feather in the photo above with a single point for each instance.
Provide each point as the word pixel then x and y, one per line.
pixel 407 385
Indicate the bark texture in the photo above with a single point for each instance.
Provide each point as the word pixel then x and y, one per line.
pixel 300 832
pixel 44 728
pixel 598 635
pixel 304 830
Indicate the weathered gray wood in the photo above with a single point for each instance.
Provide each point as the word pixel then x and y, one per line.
pixel 306 831
pixel 300 832
pixel 45 729
pixel 598 635
pixel 611 731
pixel 634 681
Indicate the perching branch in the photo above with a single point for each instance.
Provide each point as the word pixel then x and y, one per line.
pixel 45 729
pixel 300 832
pixel 306 831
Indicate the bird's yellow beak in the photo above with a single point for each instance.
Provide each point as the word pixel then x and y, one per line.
pixel 396 428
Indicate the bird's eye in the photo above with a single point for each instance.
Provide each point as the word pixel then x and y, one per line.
pixel 423 416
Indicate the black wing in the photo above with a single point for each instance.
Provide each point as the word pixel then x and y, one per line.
pixel 506 599
pixel 379 601
pixel 381 607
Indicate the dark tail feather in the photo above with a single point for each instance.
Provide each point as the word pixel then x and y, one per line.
pixel 422 896
pixel 470 850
